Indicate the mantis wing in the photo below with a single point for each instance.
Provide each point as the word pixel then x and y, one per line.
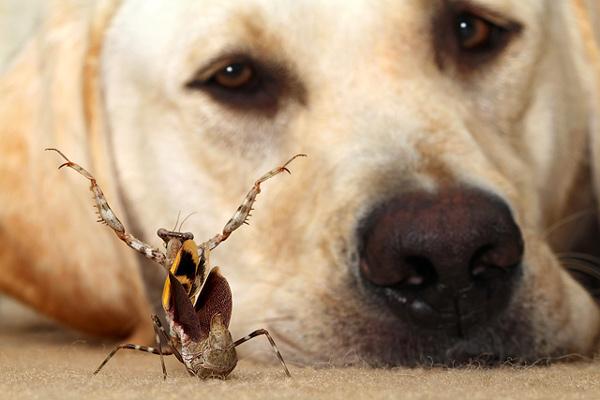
pixel 180 310
pixel 215 297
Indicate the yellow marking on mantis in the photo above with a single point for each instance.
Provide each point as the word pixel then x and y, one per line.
pixel 184 268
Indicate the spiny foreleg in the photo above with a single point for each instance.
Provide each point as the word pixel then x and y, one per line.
pixel 108 217
pixel 243 211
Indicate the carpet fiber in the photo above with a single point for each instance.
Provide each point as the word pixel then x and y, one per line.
pixel 40 360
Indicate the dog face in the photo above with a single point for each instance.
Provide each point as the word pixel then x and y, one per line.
pixel 445 139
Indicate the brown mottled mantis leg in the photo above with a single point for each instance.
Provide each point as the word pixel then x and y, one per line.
pixel 273 346
pixel 158 331
pixel 172 343
pixel 137 347
pixel 243 211
pixel 166 337
pixel 108 217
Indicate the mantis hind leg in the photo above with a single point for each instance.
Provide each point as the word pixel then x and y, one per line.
pixel 136 347
pixel 259 332
pixel 160 331
pixel 158 328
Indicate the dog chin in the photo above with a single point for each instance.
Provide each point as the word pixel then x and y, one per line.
pixel 503 342
pixel 367 334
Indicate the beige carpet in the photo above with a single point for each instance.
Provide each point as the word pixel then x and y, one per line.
pixel 41 361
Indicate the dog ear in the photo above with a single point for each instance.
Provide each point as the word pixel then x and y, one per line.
pixel 54 257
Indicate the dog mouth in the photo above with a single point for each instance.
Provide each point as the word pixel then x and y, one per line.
pixel 478 338
pixel 453 338
pixel 363 333
pixel 452 312
pixel 489 346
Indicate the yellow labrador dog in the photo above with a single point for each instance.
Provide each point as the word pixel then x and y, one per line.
pixel 447 210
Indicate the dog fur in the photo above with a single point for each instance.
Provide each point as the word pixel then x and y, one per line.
pixel 371 97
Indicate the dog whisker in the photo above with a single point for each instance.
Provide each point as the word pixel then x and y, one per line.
pixel 567 220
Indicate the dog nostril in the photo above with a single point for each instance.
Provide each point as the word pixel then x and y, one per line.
pixel 491 261
pixel 422 272
pixel 406 272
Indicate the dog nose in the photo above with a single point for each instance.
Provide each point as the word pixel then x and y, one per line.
pixel 446 260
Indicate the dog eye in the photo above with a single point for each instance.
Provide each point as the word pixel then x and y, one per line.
pixel 468 38
pixel 235 76
pixel 475 34
pixel 240 83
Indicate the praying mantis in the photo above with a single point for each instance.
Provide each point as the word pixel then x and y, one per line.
pixel 196 297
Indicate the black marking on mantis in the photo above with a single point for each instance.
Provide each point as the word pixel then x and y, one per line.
pixel 198 305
